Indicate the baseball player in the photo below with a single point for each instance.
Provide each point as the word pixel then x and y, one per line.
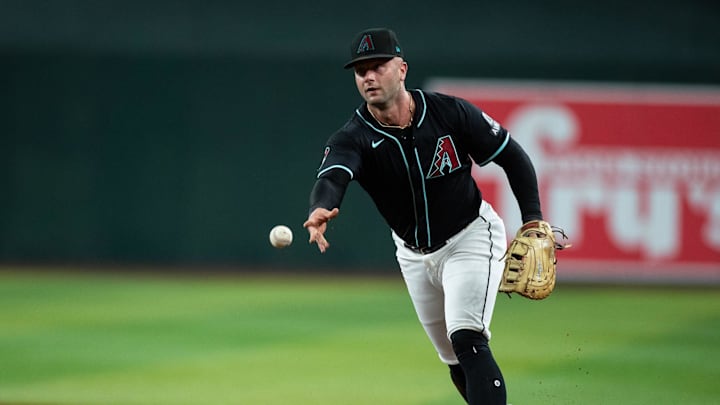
pixel 412 152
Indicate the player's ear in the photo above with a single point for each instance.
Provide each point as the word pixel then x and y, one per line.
pixel 403 69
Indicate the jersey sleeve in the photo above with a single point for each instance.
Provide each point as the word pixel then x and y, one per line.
pixel 340 153
pixel 341 160
pixel 485 137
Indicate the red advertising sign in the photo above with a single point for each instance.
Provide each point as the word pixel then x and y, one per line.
pixel 632 173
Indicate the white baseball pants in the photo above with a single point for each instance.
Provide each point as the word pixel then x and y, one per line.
pixel 455 287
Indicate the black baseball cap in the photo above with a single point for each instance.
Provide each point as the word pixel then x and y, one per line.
pixel 374 43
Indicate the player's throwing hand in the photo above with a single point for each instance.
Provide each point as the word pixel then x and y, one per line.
pixel 316 225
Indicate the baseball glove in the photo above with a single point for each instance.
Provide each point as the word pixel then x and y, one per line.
pixel 530 263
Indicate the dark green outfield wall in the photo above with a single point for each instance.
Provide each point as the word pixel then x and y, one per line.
pixel 180 132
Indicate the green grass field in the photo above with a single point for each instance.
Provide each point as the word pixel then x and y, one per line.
pixel 74 338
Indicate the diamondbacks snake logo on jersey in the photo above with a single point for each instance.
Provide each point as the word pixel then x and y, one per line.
pixel 446 157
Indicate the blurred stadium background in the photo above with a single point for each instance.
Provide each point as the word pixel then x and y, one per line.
pixel 160 136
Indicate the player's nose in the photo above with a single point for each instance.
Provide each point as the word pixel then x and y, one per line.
pixel 370 74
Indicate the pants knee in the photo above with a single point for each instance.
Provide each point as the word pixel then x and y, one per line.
pixel 467 341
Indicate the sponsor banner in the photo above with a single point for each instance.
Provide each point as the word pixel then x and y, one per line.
pixel 632 173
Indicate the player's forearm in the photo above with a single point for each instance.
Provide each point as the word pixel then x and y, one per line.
pixel 523 180
pixel 328 192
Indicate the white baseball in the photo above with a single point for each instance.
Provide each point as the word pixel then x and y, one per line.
pixel 281 236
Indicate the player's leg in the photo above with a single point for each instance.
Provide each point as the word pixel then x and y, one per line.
pixel 471 276
pixel 428 299
pixel 484 380
pixel 424 286
pixel 457 375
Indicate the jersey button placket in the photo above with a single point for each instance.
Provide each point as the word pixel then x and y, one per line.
pixel 418 178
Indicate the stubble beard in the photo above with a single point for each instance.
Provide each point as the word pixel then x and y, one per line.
pixel 385 100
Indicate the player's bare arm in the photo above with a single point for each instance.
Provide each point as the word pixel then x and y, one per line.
pixel 316 225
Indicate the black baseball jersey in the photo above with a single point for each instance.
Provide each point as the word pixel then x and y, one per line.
pixel 419 177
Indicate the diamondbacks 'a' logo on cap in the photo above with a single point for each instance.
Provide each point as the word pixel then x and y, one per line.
pixel 366 44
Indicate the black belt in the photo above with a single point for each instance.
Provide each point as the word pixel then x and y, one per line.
pixel 425 250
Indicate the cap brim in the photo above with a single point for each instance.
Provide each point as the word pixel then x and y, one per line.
pixel 368 57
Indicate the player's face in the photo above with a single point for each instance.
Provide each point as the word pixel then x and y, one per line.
pixel 379 81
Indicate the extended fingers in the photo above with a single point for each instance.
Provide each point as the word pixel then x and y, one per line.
pixel 316 236
pixel 322 243
pixel 316 225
